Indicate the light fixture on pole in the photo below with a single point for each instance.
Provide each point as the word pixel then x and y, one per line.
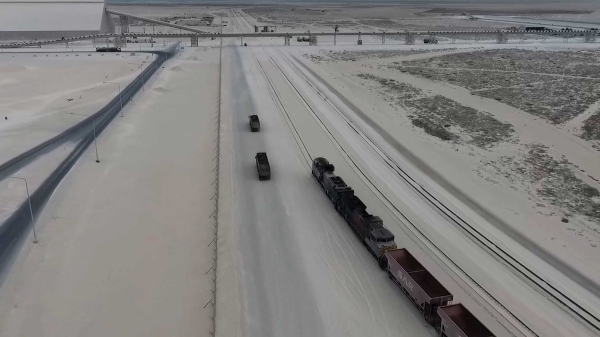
pixel 35 240
pixel 142 69
pixel 120 101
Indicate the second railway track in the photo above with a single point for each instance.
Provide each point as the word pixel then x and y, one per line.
pixel 493 248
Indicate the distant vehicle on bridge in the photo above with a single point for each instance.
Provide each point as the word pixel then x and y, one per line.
pixel 108 49
pixel 535 29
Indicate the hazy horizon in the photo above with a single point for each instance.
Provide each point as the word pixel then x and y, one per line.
pixel 400 2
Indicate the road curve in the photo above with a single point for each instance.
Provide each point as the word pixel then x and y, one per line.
pixel 14 230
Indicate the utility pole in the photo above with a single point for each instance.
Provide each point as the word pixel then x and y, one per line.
pixel 335 30
pixel 35 240
pixel 120 100
pixel 142 69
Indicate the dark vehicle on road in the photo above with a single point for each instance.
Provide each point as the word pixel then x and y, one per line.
pixel 305 39
pixel 108 49
pixel 430 41
pixel 299 39
pixel 535 29
pixel 254 123
pixel 262 166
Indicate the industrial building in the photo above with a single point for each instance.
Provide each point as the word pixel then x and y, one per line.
pixel 52 19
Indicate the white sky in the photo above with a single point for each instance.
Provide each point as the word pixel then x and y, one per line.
pixel 24 16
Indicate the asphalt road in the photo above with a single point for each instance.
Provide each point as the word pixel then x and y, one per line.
pixel 15 229
pixel 303 271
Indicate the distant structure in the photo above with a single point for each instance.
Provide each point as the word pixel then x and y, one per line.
pixel 52 19
pixel 208 19
pixel 265 28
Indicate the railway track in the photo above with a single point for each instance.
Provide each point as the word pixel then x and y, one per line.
pixel 500 253
pixel 495 249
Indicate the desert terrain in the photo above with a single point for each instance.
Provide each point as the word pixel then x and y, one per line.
pixel 482 158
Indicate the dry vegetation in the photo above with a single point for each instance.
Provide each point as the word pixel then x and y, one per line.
pixel 535 170
pixel 550 180
pixel 591 128
pixel 330 56
pixel 363 18
pixel 442 117
pixel 554 85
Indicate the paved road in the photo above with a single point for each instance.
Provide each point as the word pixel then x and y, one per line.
pixel 303 272
pixel 17 226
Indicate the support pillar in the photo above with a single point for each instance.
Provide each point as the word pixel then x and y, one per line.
pixel 124 24
pixel 194 42
pixel 287 38
pixel 409 38
pixel 590 36
pixel 359 38
pixel 501 37
pixel 383 38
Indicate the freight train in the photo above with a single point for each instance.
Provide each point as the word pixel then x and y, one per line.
pixel 369 228
pixel 427 294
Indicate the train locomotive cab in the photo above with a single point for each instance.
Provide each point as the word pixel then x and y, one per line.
pixel 380 241
pixel 321 165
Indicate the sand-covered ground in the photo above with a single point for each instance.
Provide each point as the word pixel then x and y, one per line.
pixel 126 245
pixel 498 124
pixel 49 92
pixel 123 244
pixel 44 94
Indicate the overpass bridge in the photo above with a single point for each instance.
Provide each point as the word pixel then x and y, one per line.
pixel 500 36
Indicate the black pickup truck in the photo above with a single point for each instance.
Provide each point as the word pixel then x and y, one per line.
pixel 262 166
pixel 254 123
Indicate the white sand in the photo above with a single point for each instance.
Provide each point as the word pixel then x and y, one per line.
pixel 123 243
pixel 457 164
pixel 41 93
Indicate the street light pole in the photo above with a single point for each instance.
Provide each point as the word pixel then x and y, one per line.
pixel 95 144
pixel 35 240
pixel 120 101
pixel 142 69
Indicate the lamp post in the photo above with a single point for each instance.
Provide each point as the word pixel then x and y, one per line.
pixel 142 69
pixel 120 101
pixel 94 123
pixel 35 240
